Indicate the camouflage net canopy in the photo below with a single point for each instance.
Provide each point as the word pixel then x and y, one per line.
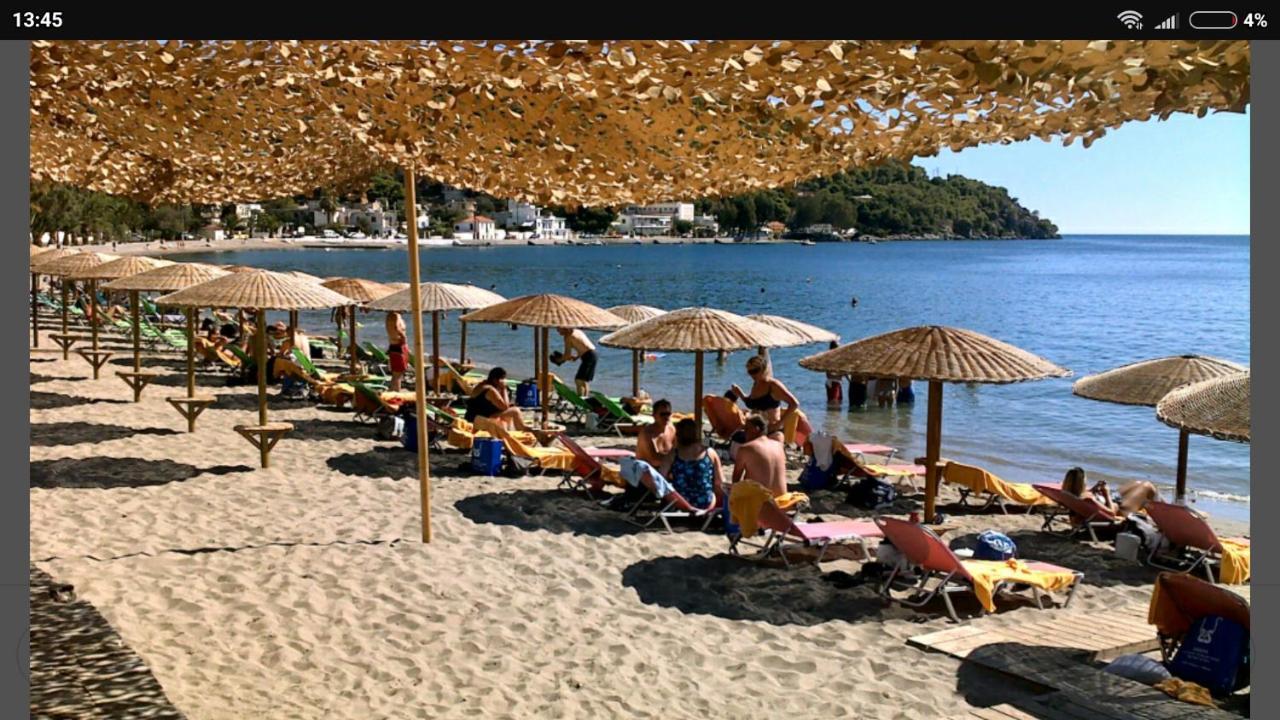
pixel 588 122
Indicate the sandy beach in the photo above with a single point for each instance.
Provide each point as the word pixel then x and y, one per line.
pixel 302 591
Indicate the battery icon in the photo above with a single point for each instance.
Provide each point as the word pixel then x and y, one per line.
pixel 1213 20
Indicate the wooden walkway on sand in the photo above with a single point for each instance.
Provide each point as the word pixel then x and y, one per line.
pixel 1100 636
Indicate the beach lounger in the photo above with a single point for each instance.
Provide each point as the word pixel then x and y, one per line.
pixel 975 482
pixel 850 465
pixel 369 404
pixel 753 508
pixel 933 561
pixel 618 416
pixel 653 509
pixel 1178 601
pixel 310 368
pixel 544 458
pixel 725 418
pixel 1193 544
pixel 1082 514
pixel 865 449
pixel 592 469
pixel 247 365
pixel 569 406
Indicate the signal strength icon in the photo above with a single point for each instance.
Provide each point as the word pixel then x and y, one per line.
pixel 1131 19
pixel 1169 23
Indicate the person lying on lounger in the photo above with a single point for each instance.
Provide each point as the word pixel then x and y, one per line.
pixel 1131 498
pixel 489 399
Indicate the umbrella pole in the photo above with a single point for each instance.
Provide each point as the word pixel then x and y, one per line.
pixel 542 377
pixel 697 389
pixel 262 379
pixel 419 387
pixel 191 358
pixel 1180 493
pixel 635 373
pixel 462 349
pixel 352 310
pixel 137 344
pixel 93 323
pixel 35 311
pixel 933 443
pixel 537 360
pixel 66 349
pixel 293 328
pixel 435 349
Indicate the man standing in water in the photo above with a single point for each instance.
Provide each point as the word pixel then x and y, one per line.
pixel 397 350
pixel 577 346
pixel 761 458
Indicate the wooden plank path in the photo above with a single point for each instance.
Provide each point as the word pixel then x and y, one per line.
pixel 1099 636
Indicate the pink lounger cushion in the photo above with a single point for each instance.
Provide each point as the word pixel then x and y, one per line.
pixel 608 453
pixel 838 530
pixel 869 449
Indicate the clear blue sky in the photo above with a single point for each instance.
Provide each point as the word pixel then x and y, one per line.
pixel 1184 175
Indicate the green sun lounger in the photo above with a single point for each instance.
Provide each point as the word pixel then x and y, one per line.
pixel 570 407
pixel 619 414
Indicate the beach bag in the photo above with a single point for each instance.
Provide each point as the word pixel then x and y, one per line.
pixel 871 494
pixel 1138 668
pixel 814 477
pixel 1152 539
pixel 486 456
pixel 1215 654
pixel 527 394
pixel 391 427
pixel 993 545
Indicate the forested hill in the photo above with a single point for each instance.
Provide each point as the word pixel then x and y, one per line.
pixel 903 202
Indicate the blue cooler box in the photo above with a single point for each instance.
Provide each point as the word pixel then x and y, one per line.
pixel 486 456
pixel 527 394
pixel 409 436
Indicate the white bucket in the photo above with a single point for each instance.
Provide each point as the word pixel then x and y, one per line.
pixel 1128 545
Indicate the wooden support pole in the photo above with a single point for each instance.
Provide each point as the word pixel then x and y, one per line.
pixel 66 349
pixel 697 389
pixel 354 366
pixel 35 311
pixel 191 357
pixel 435 349
pixel 93 324
pixel 635 373
pixel 933 448
pixel 462 349
pixel 543 376
pixel 419 387
pixel 1180 492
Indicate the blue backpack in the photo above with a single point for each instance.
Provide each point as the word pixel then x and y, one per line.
pixel 1214 653
pixel 815 478
pixel 994 545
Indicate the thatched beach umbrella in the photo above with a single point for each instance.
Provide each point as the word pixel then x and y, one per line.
pixel 63 268
pixel 1219 408
pixel 362 292
pixel 115 270
pixel 544 312
pixel 1148 381
pixel 939 355
pixel 697 330
pixel 261 290
pixel 805 332
pixel 167 279
pixel 634 314
pixel 42 256
pixel 435 298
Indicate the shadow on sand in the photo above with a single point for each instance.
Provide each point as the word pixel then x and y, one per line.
pixel 40 378
pixel 75 433
pixel 151 363
pixel 203 380
pixel 110 472
pixel 735 588
pixel 249 401
pixel 333 430
pixel 80 666
pixel 393 462
pixel 53 401
pixel 554 511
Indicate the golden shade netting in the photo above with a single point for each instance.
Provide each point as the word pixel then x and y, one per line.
pixel 590 122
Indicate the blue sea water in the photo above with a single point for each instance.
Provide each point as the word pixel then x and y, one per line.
pixel 1088 303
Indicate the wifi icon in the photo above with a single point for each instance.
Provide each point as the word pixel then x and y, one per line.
pixel 1131 19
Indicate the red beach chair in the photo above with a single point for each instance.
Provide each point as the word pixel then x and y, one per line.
pixel 1084 514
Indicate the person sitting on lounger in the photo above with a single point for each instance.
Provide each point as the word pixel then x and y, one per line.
pixel 767 396
pixel 694 471
pixel 489 400
pixel 657 439
pixel 761 458
pixel 1131 498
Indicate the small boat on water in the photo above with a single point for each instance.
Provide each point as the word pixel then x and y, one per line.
pixel 808 242
pixel 724 241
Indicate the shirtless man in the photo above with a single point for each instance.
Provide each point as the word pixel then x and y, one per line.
pixel 657 439
pixel 397 350
pixel 761 458
pixel 577 346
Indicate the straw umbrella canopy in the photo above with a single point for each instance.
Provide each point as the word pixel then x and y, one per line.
pixel 804 332
pixel 41 256
pixel 544 312
pixel 435 298
pixel 63 267
pixel 170 278
pixel 1146 382
pixel 261 290
pixel 362 292
pixel 1218 407
pixel 697 330
pixel 939 355
pixel 635 314
pixel 114 270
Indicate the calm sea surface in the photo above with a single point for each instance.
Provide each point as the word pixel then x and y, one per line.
pixel 1088 303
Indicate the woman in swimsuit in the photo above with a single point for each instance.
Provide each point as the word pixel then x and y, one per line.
pixel 1131 498
pixel 693 470
pixel 489 400
pixel 767 396
pixel 397 349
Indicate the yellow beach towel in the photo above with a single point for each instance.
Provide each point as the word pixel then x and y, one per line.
pixel 989 573
pixel 1186 691
pixel 748 496
pixel 1235 562
pixel 980 481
